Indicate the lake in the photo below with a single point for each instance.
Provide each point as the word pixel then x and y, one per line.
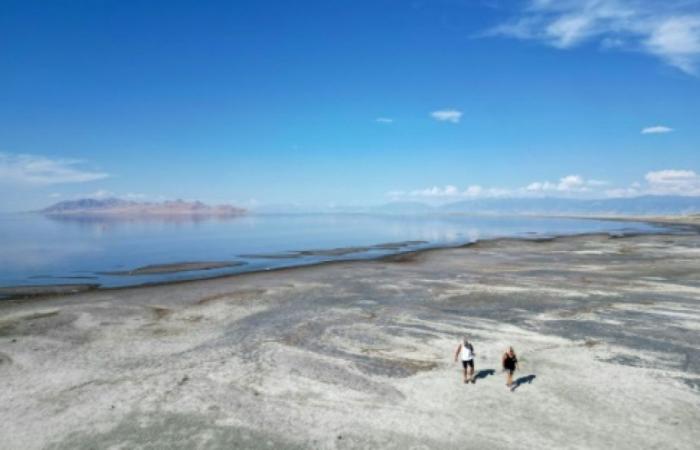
pixel 36 250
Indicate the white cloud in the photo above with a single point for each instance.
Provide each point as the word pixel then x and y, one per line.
pixel 677 40
pixel 446 192
pixel 100 194
pixel 569 183
pixel 660 182
pixel 447 115
pixel 435 191
pixel 670 176
pixel 669 30
pixel 384 120
pixel 657 129
pixel 679 182
pixel 473 191
pixel 41 170
pixel 538 186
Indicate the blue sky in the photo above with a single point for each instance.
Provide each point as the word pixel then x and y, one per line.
pixel 347 102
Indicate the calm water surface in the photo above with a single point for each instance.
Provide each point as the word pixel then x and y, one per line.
pixel 38 250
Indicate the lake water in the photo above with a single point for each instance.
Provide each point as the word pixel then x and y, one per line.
pixel 35 250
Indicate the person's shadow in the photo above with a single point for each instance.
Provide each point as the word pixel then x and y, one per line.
pixel 483 374
pixel 528 379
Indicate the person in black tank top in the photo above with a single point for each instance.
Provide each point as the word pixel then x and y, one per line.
pixel 510 363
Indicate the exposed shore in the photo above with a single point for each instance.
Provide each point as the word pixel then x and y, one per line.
pixel 177 267
pixel 692 220
pixel 358 354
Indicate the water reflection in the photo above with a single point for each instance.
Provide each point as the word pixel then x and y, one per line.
pixel 59 248
pixel 111 220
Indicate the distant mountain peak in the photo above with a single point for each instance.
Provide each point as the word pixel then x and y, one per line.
pixel 642 205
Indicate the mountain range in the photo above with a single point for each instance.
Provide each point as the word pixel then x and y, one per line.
pixel 643 205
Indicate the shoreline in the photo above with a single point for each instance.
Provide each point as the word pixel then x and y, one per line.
pixel 23 293
pixel 360 354
pixel 692 221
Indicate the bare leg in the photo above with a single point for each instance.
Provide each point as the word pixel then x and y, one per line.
pixel 471 374
pixel 466 374
pixel 509 380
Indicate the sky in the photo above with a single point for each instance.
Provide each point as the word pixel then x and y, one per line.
pixel 338 102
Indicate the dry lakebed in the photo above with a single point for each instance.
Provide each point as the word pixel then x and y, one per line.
pixel 360 354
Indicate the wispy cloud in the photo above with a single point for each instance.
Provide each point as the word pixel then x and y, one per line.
pixel 657 129
pixel 569 183
pixel 446 192
pixel 677 40
pixel 662 182
pixel 670 181
pixel 669 30
pixel 447 115
pixel 41 170
pixel 100 194
pixel 384 120
pixel 682 182
pixel 567 186
pixel 103 194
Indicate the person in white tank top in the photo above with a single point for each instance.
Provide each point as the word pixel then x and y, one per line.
pixel 465 352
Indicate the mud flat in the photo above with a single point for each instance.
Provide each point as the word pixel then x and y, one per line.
pixel 359 354
pixel 177 267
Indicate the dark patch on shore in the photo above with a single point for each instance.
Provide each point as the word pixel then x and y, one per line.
pixel 161 312
pixel 159 269
pixel 292 255
pixel 34 291
pixel 359 249
pixel 68 277
pixel 179 430
pixel 5 360
pixel 398 245
pixel 692 383
pixel 393 367
pixel 235 295
pixel 404 257
pixel 30 324
pixel 339 251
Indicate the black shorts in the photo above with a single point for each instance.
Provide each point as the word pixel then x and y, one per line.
pixel 468 363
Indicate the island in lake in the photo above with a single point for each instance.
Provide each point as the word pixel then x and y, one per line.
pixel 112 207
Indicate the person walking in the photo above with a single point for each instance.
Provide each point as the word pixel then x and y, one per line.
pixel 510 363
pixel 465 352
